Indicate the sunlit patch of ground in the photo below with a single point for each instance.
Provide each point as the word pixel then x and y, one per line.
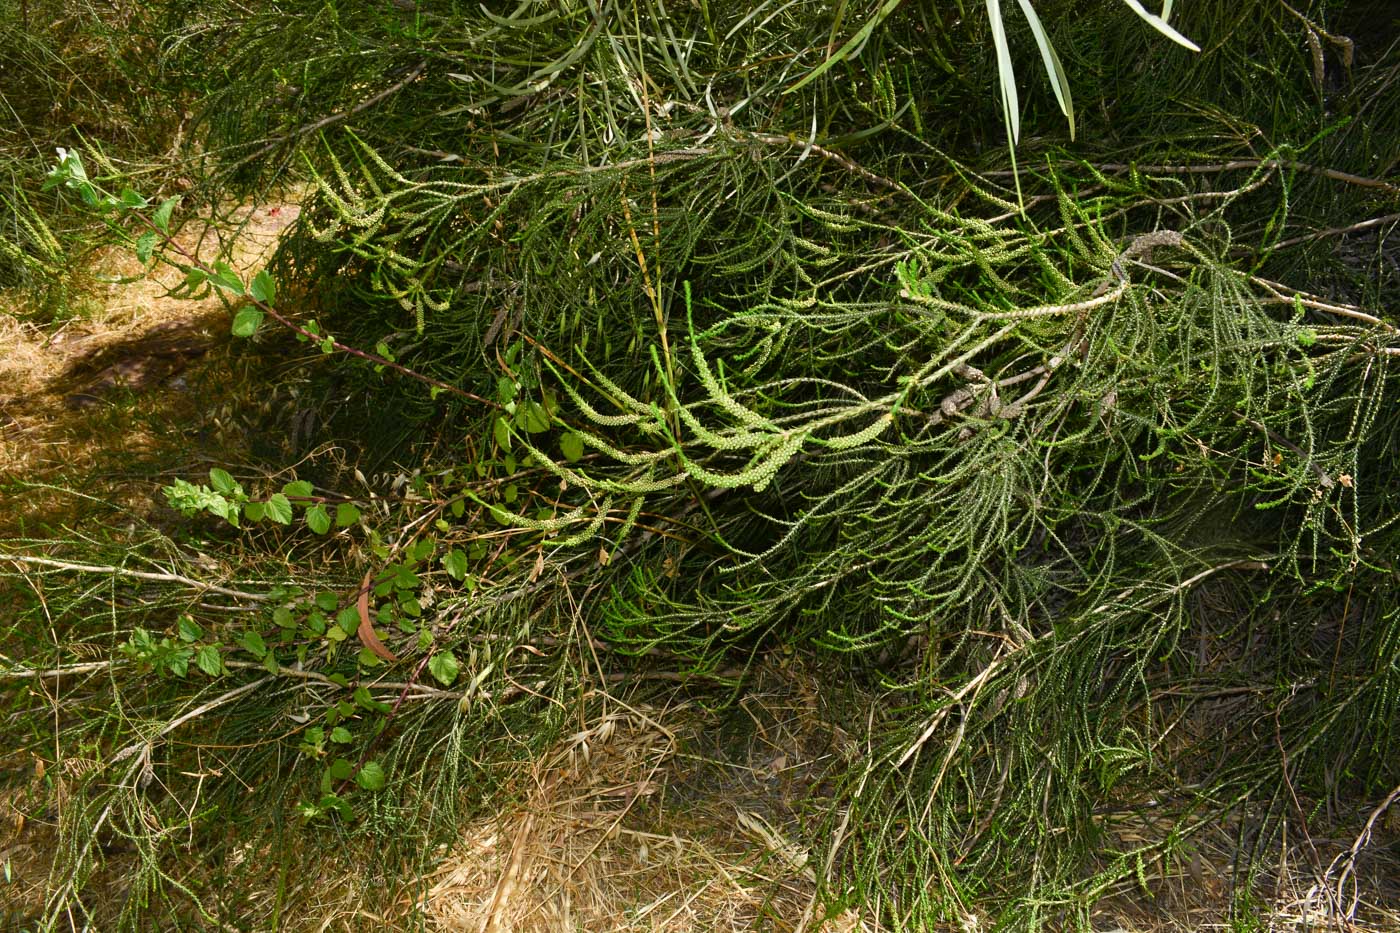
pixel 656 819
pixel 118 382
pixel 574 856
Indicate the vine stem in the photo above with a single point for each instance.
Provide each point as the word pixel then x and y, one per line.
pixel 194 262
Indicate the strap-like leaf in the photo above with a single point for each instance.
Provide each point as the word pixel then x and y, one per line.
pixel 1160 24
pixel 1010 103
pixel 1056 71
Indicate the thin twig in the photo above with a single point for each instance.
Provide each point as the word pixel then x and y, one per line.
pixel 1362 840
pixel 277 316
pixel 1236 165
pixel 135 574
pixel 1337 231
pixel 333 119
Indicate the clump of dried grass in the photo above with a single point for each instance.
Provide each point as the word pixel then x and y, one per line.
pixel 578 852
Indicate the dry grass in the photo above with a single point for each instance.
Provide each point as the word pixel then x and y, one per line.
pixel 109 386
pixel 612 836
pixel 567 858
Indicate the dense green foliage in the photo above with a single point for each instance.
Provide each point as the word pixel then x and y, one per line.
pixel 751 353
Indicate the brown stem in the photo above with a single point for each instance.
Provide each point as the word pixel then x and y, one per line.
pixel 196 263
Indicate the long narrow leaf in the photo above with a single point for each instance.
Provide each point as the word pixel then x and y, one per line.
pixel 1161 25
pixel 852 45
pixel 1010 103
pixel 1059 82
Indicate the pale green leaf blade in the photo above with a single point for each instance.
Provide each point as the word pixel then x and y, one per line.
pixel 221 480
pixel 298 489
pixel 279 509
pixel 1161 25
pixel 371 777
pixel 444 667
pixel 263 288
pixel 318 519
pixel 1010 103
pixel 1059 81
pixel 247 321
pixel 161 218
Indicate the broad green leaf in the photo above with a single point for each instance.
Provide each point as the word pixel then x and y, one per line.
pixel 455 563
pixel 221 480
pixel 341 769
pixel 346 514
pixel 348 620
pixel 247 321
pixel 318 519
pixel 501 431
pixel 189 629
pixel 282 617
pixel 371 776
pixel 571 445
pixel 326 602
pixel 444 667
pixel 279 509
pixel 535 419
pixel 405 578
pixel 227 279
pixel 255 511
pixel 209 660
pixel 298 489
pixel 330 803
pixel 362 697
pixel 1059 83
pixel 145 246
pixel 217 505
pixel 341 735
pixel 253 643
pixel 262 288
pixel 161 218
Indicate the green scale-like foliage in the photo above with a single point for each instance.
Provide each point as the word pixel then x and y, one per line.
pixel 1045 462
